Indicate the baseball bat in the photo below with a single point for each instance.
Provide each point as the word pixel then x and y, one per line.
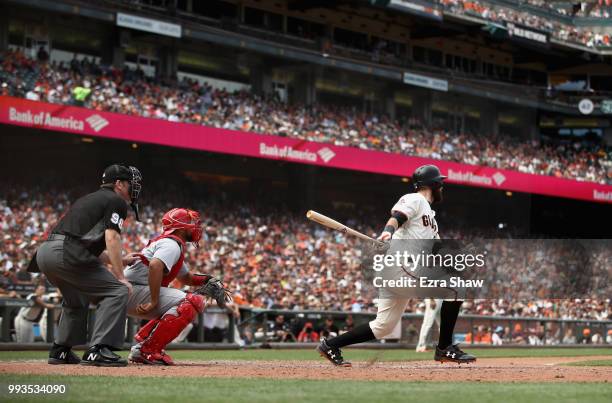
pixel 333 224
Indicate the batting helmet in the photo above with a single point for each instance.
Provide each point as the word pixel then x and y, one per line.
pixel 182 218
pixel 427 175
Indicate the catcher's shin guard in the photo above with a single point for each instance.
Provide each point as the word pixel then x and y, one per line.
pixel 146 330
pixel 172 323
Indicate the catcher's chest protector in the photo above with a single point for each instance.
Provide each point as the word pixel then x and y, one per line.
pixel 167 279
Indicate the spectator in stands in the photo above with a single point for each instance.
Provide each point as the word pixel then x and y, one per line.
pixel 498 336
pixel 6 287
pixel 518 336
pixel 50 317
pixel 596 338
pixel 586 336
pixel 281 331
pixel 42 55
pixel 281 260
pixel 357 306
pixel 28 316
pixel 568 337
pixel 348 324
pixel 533 338
pixel 10 278
pixel 308 334
pixel 123 91
pixel 329 329
pixel 215 323
pixel 75 66
pixel 23 276
pixel 557 28
pixel 80 93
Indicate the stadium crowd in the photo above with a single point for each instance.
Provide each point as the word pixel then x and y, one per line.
pixel 99 87
pixel 276 259
pixel 601 9
pixel 500 14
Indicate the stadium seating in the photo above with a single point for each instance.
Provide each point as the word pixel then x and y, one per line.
pixel 128 91
pixel 270 260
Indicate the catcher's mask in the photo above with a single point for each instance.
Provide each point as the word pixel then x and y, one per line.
pixel 182 218
pixel 125 173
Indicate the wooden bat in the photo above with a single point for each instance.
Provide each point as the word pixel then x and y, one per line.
pixel 333 224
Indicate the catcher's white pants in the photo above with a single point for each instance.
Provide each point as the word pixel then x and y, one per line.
pixel 389 314
pixel 431 316
pixel 141 294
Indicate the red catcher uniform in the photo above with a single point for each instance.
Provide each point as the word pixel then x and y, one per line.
pixel 175 309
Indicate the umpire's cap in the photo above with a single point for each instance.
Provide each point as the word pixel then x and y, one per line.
pixel 116 172
pixel 427 175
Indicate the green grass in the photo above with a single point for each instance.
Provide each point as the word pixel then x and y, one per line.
pixel 236 390
pixel 591 363
pixel 138 390
pixel 352 354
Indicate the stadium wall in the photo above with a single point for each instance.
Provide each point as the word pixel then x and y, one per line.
pixel 83 121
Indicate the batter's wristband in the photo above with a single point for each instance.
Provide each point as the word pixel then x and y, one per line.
pixel 390 229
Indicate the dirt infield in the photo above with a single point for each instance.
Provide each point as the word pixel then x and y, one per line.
pixel 547 369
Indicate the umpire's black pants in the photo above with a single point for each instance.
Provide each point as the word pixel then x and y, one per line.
pixel 79 287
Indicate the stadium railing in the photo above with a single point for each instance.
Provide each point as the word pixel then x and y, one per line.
pixel 10 306
pixel 551 331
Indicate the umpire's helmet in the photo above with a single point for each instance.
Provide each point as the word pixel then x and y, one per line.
pixel 129 173
pixel 427 175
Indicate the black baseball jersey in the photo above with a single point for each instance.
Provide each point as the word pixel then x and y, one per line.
pixel 85 224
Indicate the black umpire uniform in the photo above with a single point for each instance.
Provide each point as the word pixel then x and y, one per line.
pixel 70 261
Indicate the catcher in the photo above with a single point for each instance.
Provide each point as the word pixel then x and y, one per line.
pixel 169 310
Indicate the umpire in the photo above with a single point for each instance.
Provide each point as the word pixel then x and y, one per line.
pixel 74 259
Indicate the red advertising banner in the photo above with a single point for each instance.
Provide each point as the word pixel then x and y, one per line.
pixel 70 119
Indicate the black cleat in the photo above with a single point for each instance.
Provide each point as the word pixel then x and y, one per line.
pixel 102 356
pixel 453 353
pixel 333 355
pixel 59 355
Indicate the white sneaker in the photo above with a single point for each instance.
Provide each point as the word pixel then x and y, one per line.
pixel 421 349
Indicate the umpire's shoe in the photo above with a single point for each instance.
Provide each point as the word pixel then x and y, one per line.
pixel 102 356
pixel 62 355
pixel 333 355
pixel 453 353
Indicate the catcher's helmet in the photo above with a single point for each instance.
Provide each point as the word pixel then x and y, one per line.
pixel 182 218
pixel 125 173
pixel 427 175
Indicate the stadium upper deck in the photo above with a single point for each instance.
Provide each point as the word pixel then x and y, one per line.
pixel 103 88
pixel 315 58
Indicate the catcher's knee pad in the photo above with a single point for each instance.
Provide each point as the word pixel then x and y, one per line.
pixel 172 323
pixel 198 301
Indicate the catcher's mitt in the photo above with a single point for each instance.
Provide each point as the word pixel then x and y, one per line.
pixel 215 289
